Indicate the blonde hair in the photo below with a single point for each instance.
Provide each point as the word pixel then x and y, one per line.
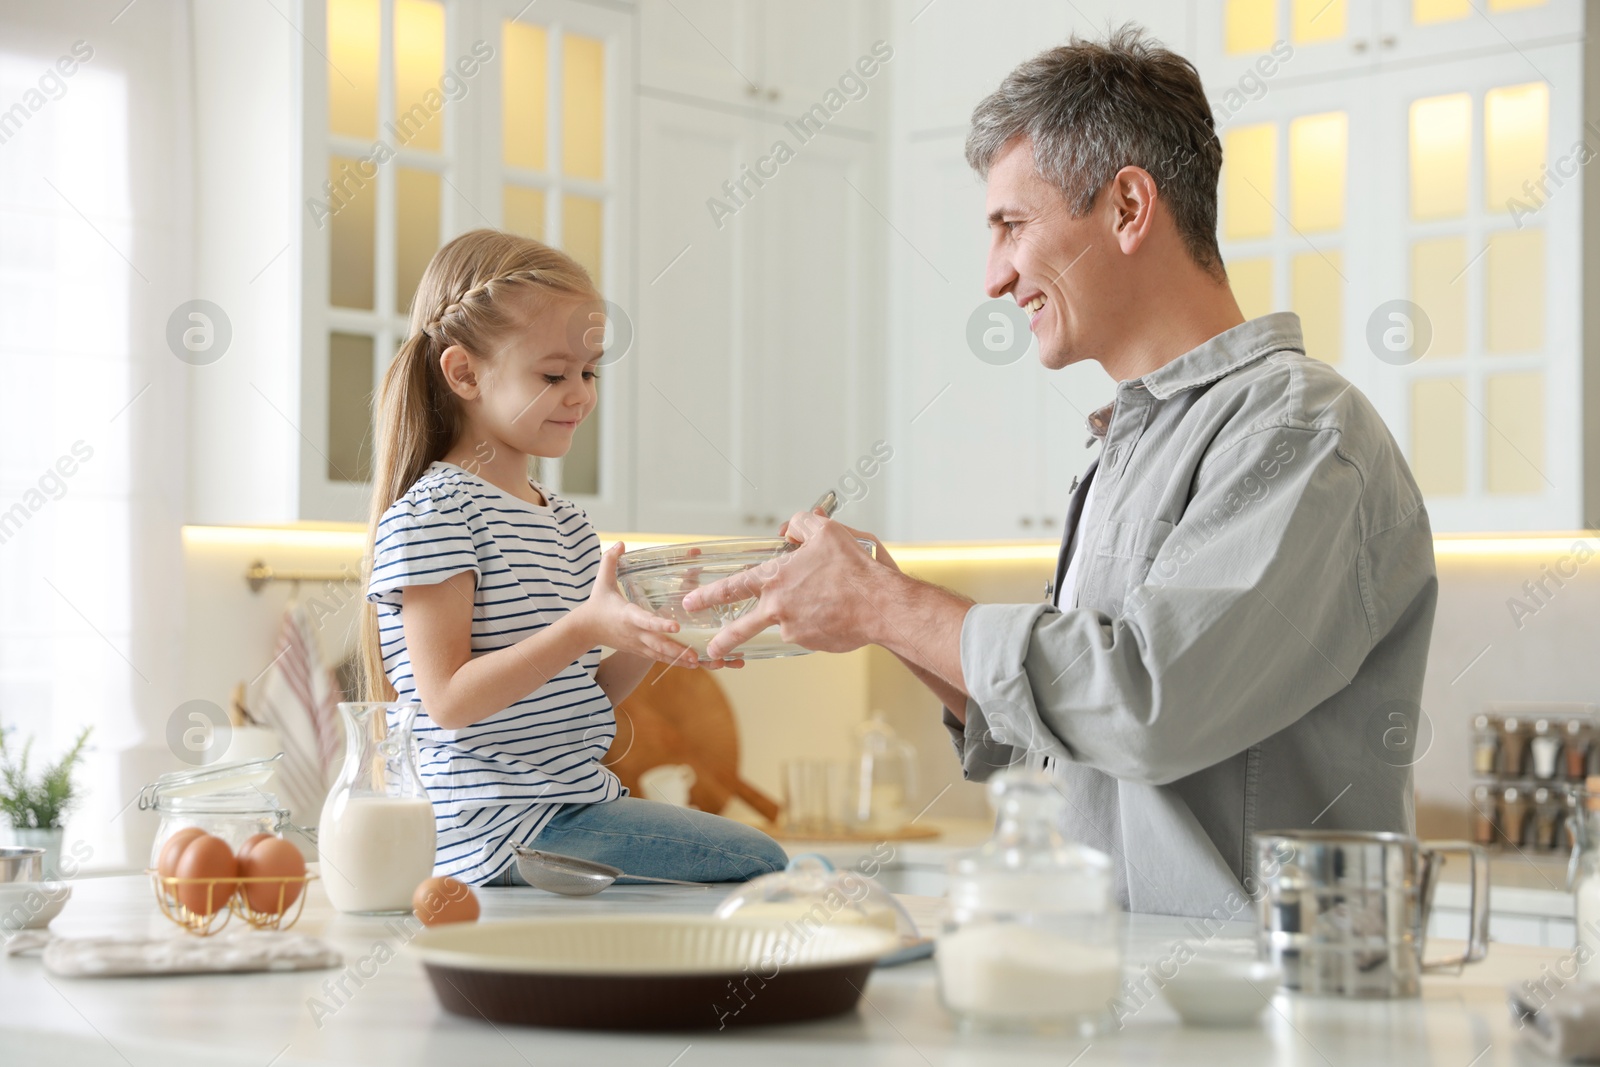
pixel 465 298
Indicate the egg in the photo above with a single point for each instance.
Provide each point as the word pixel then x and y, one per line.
pixel 265 856
pixel 206 856
pixel 438 901
pixel 251 842
pixel 167 863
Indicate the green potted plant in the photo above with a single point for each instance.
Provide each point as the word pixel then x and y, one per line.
pixel 37 806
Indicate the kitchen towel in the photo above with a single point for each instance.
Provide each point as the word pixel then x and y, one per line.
pixel 254 950
pixel 298 696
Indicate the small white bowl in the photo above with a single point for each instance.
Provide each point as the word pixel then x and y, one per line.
pixel 1222 992
pixel 31 905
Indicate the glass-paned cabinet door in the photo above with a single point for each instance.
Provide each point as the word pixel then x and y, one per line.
pixel 1291 204
pixel 1413 29
pixel 1477 257
pixel 385 138
pixel 1243 46
pixel 558 169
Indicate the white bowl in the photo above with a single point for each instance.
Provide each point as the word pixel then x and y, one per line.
pixel 31 905
pixel 1222 992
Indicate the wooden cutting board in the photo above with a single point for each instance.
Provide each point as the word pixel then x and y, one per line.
pixel 683 716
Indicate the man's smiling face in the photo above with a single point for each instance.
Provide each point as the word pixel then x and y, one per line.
pixel 1054 266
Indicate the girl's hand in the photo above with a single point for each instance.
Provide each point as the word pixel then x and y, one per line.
pixel 610 619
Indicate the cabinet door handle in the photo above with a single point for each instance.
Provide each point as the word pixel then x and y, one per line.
pixel 751 520
pixel 1027 522
pixel 752 90
pixel 1388 40
pixel 773 95
pixel 1359 46
pixel 1050 521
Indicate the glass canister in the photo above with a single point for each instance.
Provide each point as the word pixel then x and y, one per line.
pixel 226 800
pixel 1584 875
pixel 1031 940
pixel 376 839
pixel 885 778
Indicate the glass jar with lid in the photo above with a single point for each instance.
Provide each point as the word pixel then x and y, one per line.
pixel 885 778
pixel 226 800
pixel 1583 875
pixel 1031 940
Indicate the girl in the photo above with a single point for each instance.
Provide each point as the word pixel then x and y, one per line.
pixel 489 594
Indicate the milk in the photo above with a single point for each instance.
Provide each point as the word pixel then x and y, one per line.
pixel 375 851
pixel 1012 973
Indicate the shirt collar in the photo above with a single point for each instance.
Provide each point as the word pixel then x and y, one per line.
pixel 1226 353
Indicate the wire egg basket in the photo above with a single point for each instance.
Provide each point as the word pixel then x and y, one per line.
pixel 168 889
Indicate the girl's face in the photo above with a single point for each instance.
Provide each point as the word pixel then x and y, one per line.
pixel 534 390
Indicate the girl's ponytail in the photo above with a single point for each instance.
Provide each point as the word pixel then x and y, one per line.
pixel 460 301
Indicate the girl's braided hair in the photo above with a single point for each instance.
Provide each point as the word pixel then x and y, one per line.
pixel 477 288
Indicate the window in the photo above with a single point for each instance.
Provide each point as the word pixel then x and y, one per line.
pixel 444 118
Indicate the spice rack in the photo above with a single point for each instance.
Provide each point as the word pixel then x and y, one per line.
pixel 1529 762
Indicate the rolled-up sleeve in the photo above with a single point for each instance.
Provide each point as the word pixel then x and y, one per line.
pixel 1252 612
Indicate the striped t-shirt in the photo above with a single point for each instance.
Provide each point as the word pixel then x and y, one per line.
pixel 498 781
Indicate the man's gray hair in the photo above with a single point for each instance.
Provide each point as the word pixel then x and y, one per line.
pixel 1089 109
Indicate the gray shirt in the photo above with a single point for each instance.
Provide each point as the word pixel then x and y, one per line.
pixel 1245 645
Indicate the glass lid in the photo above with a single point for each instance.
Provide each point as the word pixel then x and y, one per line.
pixel 810 893
pixel 221 778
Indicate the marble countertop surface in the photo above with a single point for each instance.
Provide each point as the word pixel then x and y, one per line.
pixel 380 1009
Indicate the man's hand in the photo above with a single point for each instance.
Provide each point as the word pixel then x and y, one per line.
pixel 819 595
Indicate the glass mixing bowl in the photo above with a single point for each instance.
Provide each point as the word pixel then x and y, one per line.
pixel 658 579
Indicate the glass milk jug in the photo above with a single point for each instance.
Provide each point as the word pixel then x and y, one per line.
pixel 376 839
pixel 1031 940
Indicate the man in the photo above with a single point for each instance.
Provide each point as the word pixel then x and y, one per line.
pixel 1246 590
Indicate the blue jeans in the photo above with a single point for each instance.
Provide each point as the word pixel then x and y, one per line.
pixel 657 840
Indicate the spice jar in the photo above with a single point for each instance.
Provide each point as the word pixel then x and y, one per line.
pixel 1484 800
pixel 1031 940
pixel 1485 745
pixel 1513 814
pixel 225 800
pixel 1576 749
pixel 1513 743
pixel 1548 805
pixel 1545 749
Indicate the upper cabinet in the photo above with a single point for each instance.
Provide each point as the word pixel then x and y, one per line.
pixel 1344 38
pixel 381 129
pixel 1423 219
pixel 762 223
pixel 773 55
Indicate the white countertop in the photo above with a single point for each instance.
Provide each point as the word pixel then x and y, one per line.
pixel 393 1020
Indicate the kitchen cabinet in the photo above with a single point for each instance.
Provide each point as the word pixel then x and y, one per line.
pixel 340 147
pixel 1336 118
pixel 1346 38
pixel 757 324
pixel 1386 204
pixel 765 54
pixel 993 440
